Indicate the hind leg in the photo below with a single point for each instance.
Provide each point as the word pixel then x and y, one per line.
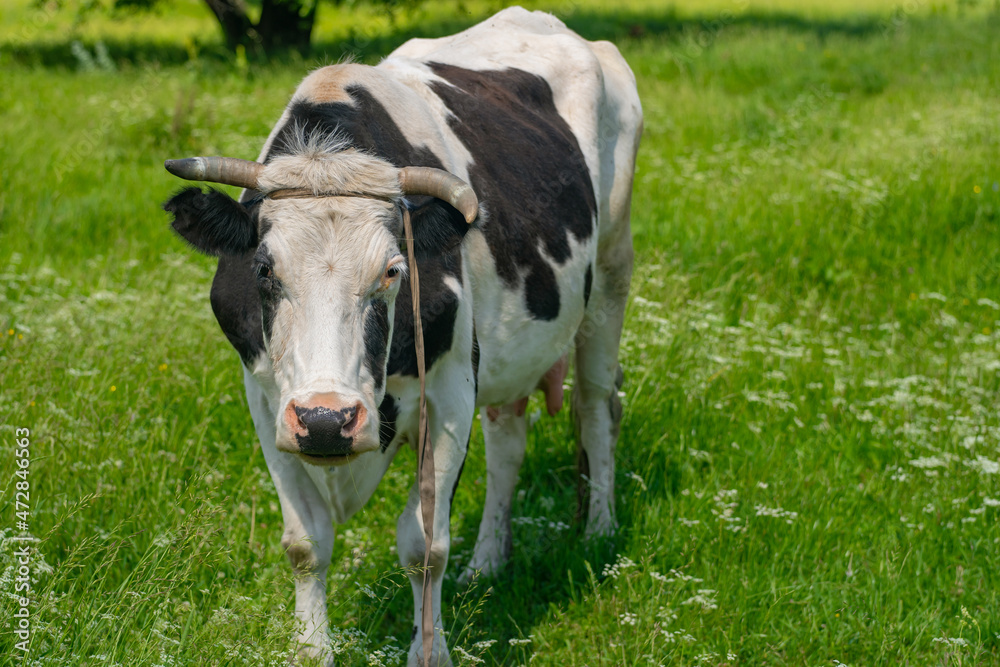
pixel 505 433
pixel 597 409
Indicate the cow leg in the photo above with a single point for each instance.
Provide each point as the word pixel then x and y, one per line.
pixel 506 438
pixel 308 542
pixel 309 533
pixel 450 425
pixel 597 409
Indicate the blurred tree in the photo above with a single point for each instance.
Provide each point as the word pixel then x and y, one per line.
pixel 282 24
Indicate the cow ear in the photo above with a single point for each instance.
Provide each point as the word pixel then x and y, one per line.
pixel 437 226
pixel 212 222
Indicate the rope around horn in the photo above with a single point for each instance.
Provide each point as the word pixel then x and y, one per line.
pixel 425 452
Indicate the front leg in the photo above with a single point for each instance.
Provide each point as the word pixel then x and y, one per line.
pixel 309 533
pixel 308 543
pixel 450 422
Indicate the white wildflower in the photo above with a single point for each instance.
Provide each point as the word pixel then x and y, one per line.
pixel 621 564
pixel 628 618
pixel 464 657
pixel 645 302
pixel 929 462
pixel 672 637
pixel 639 480
pixel 666 614
pixel 776 512
pixel 704 598
pixel 951 641
pixel 680 576
pixel 984 465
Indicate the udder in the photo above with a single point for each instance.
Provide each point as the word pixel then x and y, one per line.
pixel 551 385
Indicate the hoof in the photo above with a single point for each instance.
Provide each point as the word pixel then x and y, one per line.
pixel 313 656
pixel 439 657
pixel 597 530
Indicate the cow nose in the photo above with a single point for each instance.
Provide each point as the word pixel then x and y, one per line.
pixel 324 426
pixel 324 423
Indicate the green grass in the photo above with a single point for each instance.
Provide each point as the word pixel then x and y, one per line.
pixel 807 470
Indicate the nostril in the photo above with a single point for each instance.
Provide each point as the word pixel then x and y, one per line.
pixel 295 418
pixel 351 415
pixel 299 414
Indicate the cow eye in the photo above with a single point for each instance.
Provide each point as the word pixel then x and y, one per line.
pixel 264 272
pixel 395 269
pixel 392 272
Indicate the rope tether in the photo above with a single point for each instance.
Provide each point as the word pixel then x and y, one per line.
pixel 425 452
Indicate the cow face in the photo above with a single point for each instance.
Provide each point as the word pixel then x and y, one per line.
pixel 319 257
pixel 327 271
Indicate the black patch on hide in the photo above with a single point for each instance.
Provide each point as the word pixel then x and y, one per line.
pixel 528 171
pixel 377 340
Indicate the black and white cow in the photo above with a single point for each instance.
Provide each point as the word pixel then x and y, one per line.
pixel 312 287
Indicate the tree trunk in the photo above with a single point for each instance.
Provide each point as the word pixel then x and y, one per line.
pixel 283 24
pixel 233 19
pixel 286 24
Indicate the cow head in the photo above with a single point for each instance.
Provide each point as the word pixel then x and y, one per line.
pixel 326 237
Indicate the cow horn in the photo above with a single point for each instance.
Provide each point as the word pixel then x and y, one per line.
pixel 225 170
pixel 439 183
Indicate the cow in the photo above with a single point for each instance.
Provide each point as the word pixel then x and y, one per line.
pixel 518 125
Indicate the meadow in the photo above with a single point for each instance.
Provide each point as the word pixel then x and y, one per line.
pixel 809 462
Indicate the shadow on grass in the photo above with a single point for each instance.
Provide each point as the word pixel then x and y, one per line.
pixel 549 566
pixel 594 25
pixel 552 565
pixel 617 26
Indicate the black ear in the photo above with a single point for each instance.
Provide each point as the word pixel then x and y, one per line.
pixel 213 222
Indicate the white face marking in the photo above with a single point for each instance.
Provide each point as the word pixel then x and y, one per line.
pixel 326 266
